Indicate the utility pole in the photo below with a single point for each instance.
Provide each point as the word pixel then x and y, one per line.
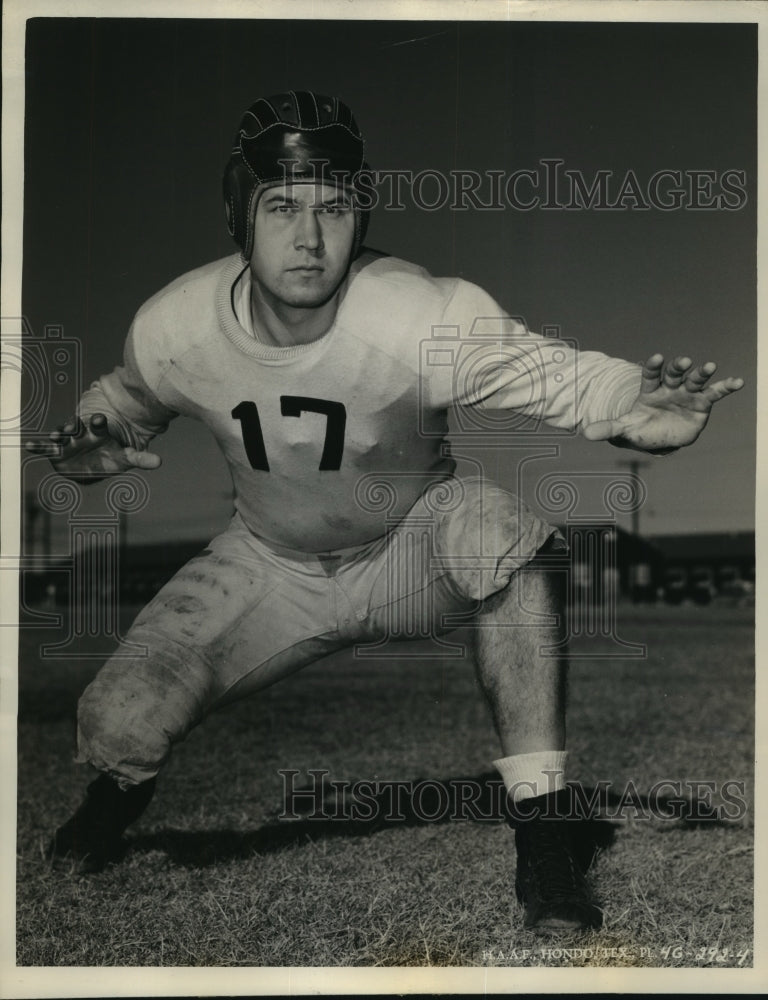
pixel 640 574
pixel 635 465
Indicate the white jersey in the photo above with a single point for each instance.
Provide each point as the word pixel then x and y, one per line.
pixel 309 430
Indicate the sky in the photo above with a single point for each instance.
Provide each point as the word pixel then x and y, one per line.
pixel 129 124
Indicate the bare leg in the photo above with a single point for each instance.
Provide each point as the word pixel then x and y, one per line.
pixel 525 684
pixel 523 675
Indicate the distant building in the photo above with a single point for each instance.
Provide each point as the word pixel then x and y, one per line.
pixel 606 562
pixel 705 564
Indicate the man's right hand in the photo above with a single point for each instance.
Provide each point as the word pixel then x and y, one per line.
pixel 86 451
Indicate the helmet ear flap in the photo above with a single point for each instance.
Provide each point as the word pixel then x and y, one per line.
pixel 239 189
pixel 286 137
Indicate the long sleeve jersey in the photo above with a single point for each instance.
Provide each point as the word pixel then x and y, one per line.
pixel 310 430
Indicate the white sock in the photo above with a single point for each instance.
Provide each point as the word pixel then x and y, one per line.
pixel 526 775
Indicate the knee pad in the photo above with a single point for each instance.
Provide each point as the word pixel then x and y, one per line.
pixel 136 708
pixel 484 534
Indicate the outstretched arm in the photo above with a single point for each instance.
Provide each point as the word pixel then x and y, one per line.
pixel 672 409
pixel 86 451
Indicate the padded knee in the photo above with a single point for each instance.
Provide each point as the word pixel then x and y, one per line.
pixel 136 709
pixel 485 534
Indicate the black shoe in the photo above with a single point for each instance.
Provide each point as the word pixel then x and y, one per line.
pixel 550 881
pixel 93 836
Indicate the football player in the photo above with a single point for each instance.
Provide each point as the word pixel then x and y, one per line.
pixel 303 355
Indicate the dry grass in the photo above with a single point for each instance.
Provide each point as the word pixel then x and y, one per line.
pixel 213 879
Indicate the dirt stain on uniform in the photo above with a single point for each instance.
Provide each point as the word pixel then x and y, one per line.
pixel 184 605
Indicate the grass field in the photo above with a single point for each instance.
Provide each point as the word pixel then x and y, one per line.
pixel 214 878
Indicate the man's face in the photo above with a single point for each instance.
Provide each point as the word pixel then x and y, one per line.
pixel 303 235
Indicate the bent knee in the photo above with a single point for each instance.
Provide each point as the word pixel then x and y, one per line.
pixel 133 713
pixel 125 746
pixel 486 534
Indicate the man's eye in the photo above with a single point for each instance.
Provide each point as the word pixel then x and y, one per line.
pixel 335 209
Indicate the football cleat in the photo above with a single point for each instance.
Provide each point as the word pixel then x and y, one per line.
pixel 93 836
pixel 550 882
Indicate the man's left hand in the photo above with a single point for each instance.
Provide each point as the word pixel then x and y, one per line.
pixel 672 409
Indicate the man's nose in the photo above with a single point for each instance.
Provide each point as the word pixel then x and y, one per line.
pixel 309 234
